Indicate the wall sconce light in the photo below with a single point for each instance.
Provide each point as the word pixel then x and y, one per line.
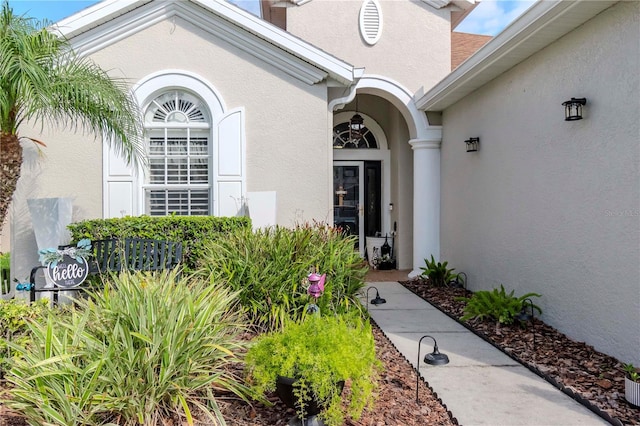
pixel 573 109
pixel 377 300
pixel 472 144
pixel 434 358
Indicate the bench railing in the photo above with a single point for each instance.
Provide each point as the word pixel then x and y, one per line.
pixel 114 255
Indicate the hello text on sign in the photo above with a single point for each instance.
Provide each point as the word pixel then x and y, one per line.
pixel 68 272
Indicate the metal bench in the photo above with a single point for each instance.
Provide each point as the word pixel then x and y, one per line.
pixel 114 255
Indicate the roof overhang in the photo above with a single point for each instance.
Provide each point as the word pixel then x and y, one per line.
pixel 438 4
pixel 542 24
pixel 460 4
pixel 227 21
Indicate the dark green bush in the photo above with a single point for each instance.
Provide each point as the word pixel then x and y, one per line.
pixel 268 268
pixel 5 260
pixel 496 305
pixel 5 272
pixel 192 231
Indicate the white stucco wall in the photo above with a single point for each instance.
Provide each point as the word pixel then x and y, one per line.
pixel 70 166
pixel 415 37
pixel 551 206
pixel 288 130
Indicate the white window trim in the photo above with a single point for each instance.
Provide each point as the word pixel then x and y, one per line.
pixel 122 186
pixel 151 86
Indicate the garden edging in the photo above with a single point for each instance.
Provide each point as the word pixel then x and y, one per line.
pixel 575 396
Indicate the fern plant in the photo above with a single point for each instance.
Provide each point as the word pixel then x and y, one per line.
pixel 438 273
pixel 495 304
pixel 319 353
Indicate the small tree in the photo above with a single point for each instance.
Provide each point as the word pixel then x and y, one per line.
pixel 42 80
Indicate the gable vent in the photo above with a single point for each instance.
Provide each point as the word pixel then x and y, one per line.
pixel 371 21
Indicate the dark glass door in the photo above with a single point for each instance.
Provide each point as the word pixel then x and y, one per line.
pixel 357 198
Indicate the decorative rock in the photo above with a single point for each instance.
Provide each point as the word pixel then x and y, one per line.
pixel 605 384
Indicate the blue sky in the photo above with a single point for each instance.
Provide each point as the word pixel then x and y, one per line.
pixel 55 10
pixel 489 18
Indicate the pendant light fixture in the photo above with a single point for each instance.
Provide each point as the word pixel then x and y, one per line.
pixel 356 127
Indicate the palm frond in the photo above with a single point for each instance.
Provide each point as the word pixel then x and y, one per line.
pixel 43 80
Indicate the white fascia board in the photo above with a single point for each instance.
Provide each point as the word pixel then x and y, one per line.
pixel 95 15
pixel 542 24
pixel 440 4
pixel 337 69
pixel 301 59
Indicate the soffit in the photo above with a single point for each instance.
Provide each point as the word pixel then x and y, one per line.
pixel 541 25
pixel 109 21
pixel 439 4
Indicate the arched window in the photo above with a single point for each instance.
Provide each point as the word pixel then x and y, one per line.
pixel 342 138
pixel 178 127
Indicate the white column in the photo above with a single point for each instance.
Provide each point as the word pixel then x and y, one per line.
pixel 426 198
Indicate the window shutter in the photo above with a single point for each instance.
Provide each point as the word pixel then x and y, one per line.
pixel 230 166
pixel 119 193
pixel 371 21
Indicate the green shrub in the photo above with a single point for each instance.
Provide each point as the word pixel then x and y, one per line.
pixel 438 273
pixel 192 231
pixel 268 267
pixel 632 372
pixel 318 353
pixel 14 315
pixel 5 260
pixel 5 272
pixel 495 304
pixel 145 348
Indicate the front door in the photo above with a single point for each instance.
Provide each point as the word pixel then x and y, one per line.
pixel 356 198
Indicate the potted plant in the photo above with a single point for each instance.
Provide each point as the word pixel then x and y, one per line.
pixel 314 359
pixel 632 384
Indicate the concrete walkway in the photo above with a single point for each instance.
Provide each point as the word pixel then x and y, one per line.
pixel 480 385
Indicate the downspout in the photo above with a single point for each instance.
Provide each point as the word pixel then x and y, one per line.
pixel 339 103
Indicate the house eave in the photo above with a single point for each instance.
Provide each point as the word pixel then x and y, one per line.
pixel 279 48
pixel 441 4
pixel 542 24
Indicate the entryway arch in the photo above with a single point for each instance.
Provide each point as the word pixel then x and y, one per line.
pixel 419 230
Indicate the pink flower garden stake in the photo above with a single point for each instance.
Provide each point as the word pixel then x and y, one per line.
pixel 316 285
pixel 315 290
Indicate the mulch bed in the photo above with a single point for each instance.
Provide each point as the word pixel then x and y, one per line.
pixel 595 379
pixel 591 377
pixel 395 403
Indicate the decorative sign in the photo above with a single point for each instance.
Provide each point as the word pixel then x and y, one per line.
pixel 67 267
pixel 69 272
